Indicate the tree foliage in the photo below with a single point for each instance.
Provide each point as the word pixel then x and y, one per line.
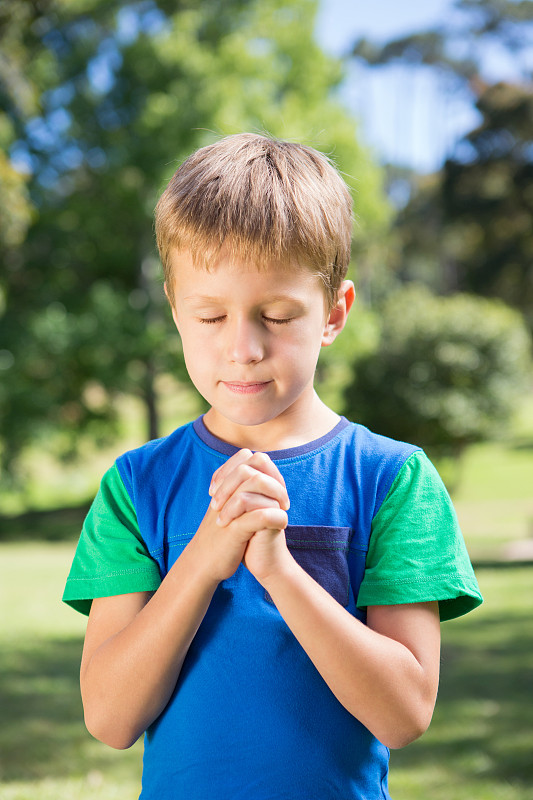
pixel 479 208
pixel 487 200
pixel 446 372
pixel 469 227
pixel 119 93
pixel 457 46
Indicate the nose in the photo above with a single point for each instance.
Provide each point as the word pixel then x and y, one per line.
pixel 244 342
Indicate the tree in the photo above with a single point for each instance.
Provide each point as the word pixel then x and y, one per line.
pixel 124 92
pixel 469 227
pixel 457 47
pixel 487 200
pixel 446 372
pixel 479 208
pixel 17 101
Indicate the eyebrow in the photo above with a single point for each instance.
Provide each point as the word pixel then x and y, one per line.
pixel 277 298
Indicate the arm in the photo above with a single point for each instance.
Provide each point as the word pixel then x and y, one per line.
pixel 134 648
pixel 136 643
pixel 385 673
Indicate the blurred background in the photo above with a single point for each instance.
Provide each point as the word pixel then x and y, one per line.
pixel 426 107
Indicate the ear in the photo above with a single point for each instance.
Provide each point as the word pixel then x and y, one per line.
pixel 337 316
pixel 172 306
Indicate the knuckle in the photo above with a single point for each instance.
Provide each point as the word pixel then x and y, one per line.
pixel 246 502
pixel 239 504
pixel 254 502
pixel 274 518
pixel 245 471
pixel 261 459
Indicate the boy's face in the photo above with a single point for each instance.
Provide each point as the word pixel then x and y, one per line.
pixel 251 341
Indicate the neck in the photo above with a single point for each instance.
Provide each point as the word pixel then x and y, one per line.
pixel 291 429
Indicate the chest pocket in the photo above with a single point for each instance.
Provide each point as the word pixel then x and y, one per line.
pixel 322 551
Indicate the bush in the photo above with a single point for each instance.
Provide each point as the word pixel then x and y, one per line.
pixel 446 372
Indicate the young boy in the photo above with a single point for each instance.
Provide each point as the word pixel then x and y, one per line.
pixel 265 584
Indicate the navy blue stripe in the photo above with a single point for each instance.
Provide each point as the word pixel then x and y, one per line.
pixel 292 452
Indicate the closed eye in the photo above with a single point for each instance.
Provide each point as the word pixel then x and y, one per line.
pixel 278 321
pixel 210 320
pixel 273 320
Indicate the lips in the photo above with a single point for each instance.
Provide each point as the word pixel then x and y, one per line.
pixel 248 387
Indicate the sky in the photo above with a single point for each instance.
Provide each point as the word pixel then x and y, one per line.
pixel 406 116
pixel 340 22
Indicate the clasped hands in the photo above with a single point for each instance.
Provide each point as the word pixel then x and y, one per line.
pixel 246 518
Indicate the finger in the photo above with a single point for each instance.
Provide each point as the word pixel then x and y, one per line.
pixel 259 461
pixel 263 463
pixel 247 479
pixel 242 503
pixel 236 459
pixel 270 518
pixel 262 518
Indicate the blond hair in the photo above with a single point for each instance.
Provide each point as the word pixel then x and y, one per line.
pixel 263 199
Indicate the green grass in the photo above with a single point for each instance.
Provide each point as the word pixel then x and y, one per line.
pixel 45 751
pixel 480 742
pixel 494 497
pixel 478 747
pixel 494 500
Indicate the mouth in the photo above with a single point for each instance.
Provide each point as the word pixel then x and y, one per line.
pixel 241 387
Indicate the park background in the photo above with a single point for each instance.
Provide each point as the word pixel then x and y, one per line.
pixel 427 109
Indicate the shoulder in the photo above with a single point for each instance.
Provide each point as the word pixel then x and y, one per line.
pixel 377 459
pixel 154 457
pixel 157 448
pixel 376 447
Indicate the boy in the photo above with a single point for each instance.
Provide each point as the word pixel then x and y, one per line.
pixel 265 584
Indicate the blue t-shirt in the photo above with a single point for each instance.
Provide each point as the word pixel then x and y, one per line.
pixel 250 716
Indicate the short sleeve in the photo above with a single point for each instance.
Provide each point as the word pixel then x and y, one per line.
pixel 111 557
pixel 417 552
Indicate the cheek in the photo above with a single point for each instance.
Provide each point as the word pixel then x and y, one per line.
pixel 300 354
pixel 200 370
pixel 196 350
pixel 308 340
pixel 196 337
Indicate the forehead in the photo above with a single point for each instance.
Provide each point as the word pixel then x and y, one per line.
pixel 231 277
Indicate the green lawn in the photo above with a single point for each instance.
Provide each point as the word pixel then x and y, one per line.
pixel 45 751
pixel 479 745
pixel 494 500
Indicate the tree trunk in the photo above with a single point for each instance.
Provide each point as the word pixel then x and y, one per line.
pixel 150 399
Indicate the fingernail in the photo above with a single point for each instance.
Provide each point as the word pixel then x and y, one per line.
pixel 214 504
pixel 218 521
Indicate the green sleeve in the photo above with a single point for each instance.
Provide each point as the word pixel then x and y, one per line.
pixel 111 557
pixel 417 552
